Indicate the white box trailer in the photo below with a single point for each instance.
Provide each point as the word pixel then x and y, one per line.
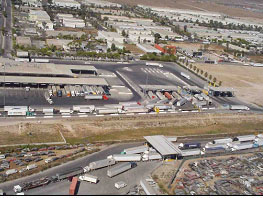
pixel 11 172
pixel 41 60
pixel 93 97
pixel 48 110
pixel 239 107
pixel 101 164
pixel 163 107
pixel 22 60
pixel 79 107
pixel 16 112
pixel 89 178
pixel 32 166
pixel 8 108
pixel 107 111
pixel 120 168
pixel 65 110
pixel 181 102
pixel 126 157
pixel 190 152
pixel 222 141
pixel 245 138
pixel 135 150
pixel 151 156
pixel 223 145
pixel 242 146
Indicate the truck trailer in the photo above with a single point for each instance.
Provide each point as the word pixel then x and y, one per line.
pixel 100 164
pixel 135 150
pixel 73 185
pixel 89 178
pixel 120 168
pixel 126 157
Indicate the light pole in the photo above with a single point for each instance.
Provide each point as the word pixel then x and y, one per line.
pixel 4 86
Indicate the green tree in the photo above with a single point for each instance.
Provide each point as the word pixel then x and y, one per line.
pixel 210 77
pixel 201 72
pixel 220 83
pixel 214 79
pixel 113 47
pixel 206 74
pixel 123 33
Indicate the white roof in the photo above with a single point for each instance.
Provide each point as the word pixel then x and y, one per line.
pixel 162 145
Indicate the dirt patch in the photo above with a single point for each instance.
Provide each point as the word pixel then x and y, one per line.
pixel 134 49
pixel 247 81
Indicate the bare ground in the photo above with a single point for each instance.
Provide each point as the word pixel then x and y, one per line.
pixel 247 81
pixel 125 128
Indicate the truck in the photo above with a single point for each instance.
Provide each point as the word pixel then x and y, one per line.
pixel 163 107
pixel 135 150
pixel 126 157
pixel 8 108
pixel 107 111
pixel 137 110
pixel 222 141
pixel 10 172
pixel 93 97
pixel 73 185
pixel 65 110
pixel 153 64
pixel 214 150
pixel 245 138
pixel 190 152
pixel 89 178
pixel 167 95
pixel 16 112
pixel 69 173
pixel 120 184
pixel 32 184
pixel 223 145
pixel 181 102
pixel 48 111
pixel 151 156
pixel 41 60
pixel 190 145
pixel 242 146
pixel 32 166
pixel 120 168
pixel 99 164
pixel 239 107
pixel 83 108
pixel 185 75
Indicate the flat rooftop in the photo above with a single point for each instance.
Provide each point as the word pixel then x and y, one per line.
pixel 163 145
pixel 48 69
pixel 55 81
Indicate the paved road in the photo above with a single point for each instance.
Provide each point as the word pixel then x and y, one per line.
pixel 82 162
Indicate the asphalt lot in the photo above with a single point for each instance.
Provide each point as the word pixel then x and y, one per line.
pixel 105 186
pixel 82 162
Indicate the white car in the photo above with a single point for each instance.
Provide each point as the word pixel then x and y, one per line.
pixel 120 184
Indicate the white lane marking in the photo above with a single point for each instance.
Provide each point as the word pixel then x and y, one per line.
pixel 30 117
pixel 195 111
pixel 83 116
pixel 173 112
pixel 48 116
pixel 99 115
pixel 163 112
pixel 114 114
pixel 212 108
pixel 152 113
pixel 66 116
pixel 129 114
pixel 141 113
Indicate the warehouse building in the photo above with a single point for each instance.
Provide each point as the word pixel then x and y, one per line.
pixel 110 36
pixel 41 19
pixel 141 38
pixel 66 4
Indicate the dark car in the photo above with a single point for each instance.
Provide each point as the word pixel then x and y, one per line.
pixel 2 169
pixel 38 159
pixel 51 154
pixel 28 160
pixel 34 149
pixel 55 158
pixel 51 148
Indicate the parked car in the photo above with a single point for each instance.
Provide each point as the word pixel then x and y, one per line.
pixel 22 170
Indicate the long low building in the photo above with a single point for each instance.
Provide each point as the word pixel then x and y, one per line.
pixel 44 81
pixel 163 146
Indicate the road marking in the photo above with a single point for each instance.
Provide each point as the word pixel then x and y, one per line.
pixel 66 116
pixel 48 116
pixel 83 116
pixel 212 108
pixel 163 112
pixel 114 114
pixel 152 113
pixel 185 111
pixel 99 115
pixel 129 114
pixel 81 113
pixel 30 117
pixel 173 112
pixel 195 111
pixel 141 113
pixel 204 108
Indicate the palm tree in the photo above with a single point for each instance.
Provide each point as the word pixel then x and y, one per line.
pixel 214 79
pixel 195 68
pixel 220 83
pixel 191 66
pixel 201 71
pixel 197 71
pixel 210 77
pixel 206 74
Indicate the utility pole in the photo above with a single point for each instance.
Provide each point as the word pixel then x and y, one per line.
pixel 4 86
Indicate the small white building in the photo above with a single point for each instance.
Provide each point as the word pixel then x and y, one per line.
pixel 148 48
pixel 110 36
pixel 141 38
pixel 66 4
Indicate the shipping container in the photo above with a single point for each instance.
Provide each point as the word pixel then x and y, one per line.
pixel 101 163
pixel 135 150
pixel 120 168
pixel 167 95
pixel 213 150
pixel 79 108
pixel 151 156
pixel 73 185
pixel 65 110
pixel 126 157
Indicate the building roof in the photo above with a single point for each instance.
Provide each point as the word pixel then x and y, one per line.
pixel 56 81
pixel 22 40
pixel 162 145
